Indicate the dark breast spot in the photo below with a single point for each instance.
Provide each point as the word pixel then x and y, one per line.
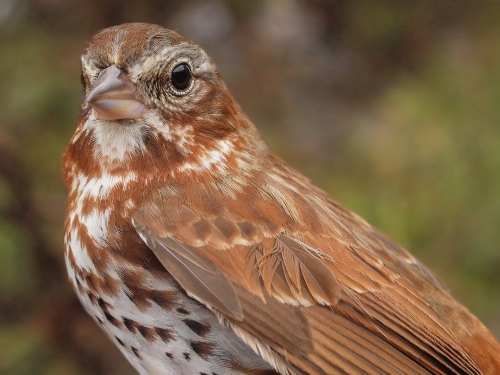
pixel 146 332
pixel 119 341
pixel 183 311
pixel 165 334
pixel 166 299
pixel 202 348
pixel 130 324
pixel 103 304
pixel 136 352
pixel 200 329
pixel 112 319
pixel 92 298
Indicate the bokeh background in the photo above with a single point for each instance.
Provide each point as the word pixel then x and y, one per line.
pixel 392 107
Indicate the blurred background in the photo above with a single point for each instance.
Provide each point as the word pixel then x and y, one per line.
pixel 392 107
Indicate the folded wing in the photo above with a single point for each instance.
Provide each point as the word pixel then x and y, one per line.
pixel 315 290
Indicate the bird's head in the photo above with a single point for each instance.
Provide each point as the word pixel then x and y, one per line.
pixel 155 100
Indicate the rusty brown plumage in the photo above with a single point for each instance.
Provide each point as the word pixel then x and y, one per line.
pixel 198 250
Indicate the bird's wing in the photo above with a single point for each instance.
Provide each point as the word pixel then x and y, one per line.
pixel 306 283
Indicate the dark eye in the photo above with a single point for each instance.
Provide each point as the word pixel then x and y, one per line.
pixel 181 77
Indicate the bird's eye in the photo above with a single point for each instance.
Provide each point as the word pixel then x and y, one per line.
pixel 181 77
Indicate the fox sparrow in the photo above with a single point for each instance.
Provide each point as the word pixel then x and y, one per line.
pixel 199 251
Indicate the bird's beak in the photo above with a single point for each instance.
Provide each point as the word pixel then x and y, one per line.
pixel 114 96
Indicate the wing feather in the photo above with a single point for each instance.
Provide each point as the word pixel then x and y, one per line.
pixel 329 294
pixel 200 278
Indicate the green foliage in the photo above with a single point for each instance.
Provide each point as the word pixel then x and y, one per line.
pixel 426 170
pixel 25 353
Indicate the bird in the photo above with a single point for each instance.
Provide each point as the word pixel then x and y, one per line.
pixel 199 251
